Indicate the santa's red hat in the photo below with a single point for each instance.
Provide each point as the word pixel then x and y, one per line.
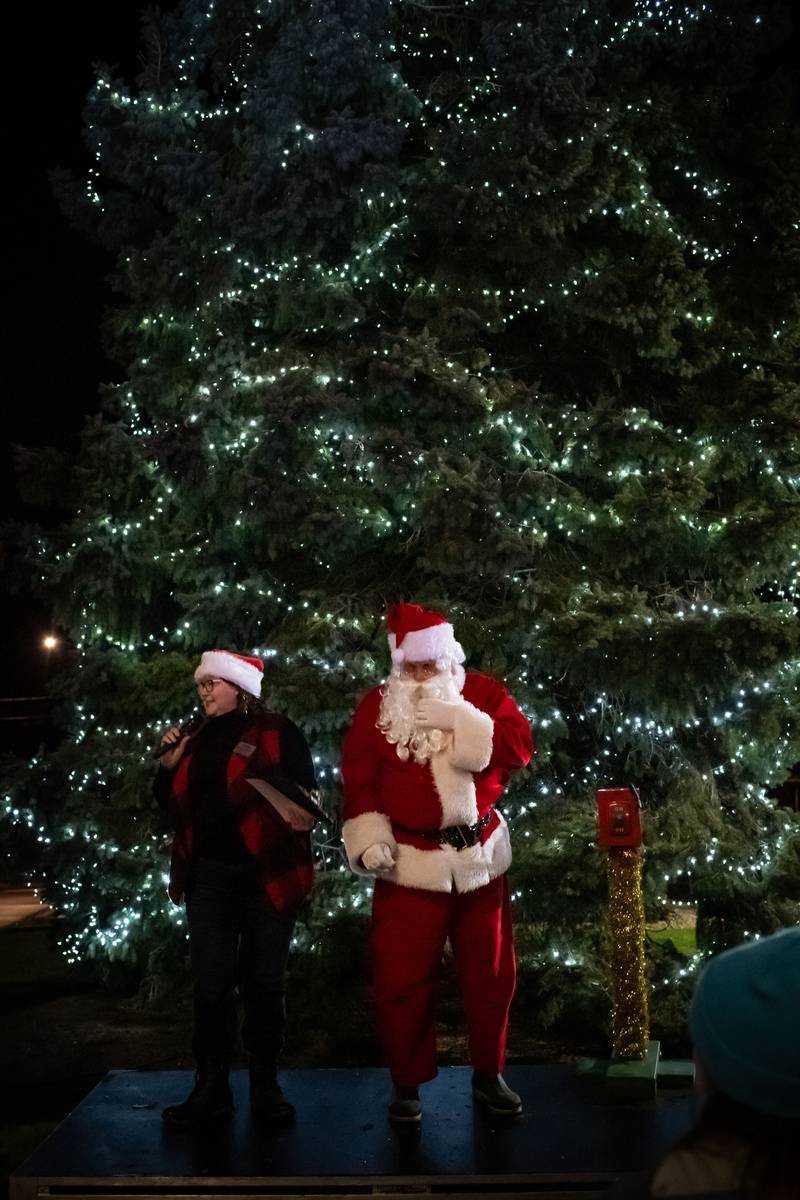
pixel 418 635
pixel 245 673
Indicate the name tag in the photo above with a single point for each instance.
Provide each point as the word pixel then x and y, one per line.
pixel 244 749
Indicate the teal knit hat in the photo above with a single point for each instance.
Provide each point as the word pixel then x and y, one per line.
pixel 745 1019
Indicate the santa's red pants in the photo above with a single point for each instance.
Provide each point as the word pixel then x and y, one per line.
pixel 409 930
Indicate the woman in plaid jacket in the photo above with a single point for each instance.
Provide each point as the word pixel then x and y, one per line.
pixel 243 871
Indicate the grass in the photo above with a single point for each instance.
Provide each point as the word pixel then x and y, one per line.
pixel 31 970
pixel 683 939
pixel 18 1142
pixel 31 966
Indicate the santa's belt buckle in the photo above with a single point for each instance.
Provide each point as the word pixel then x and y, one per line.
pixel 460 837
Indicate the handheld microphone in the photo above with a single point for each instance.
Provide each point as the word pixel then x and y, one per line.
pixel 194 724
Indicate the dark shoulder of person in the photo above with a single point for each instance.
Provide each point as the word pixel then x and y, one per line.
pixel 295 756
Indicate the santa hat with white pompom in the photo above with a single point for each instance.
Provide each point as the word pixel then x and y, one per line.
pixel 417 634
pixel 245 673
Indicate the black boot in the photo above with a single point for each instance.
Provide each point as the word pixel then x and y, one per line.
pixel 268 1104
pixel 405 1107
pixel 494 1092
pixel 209 1102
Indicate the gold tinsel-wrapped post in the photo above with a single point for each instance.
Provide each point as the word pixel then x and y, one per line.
pixel 630 1012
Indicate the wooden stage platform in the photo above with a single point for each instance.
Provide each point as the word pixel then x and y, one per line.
pixel 572 1141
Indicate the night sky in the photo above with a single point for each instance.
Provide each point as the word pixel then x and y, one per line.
pixel 57 285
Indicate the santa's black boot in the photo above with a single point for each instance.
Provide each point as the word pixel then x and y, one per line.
pixel 493 1092
pixel 268 1104
pixel 405 1107
pixel 209 1103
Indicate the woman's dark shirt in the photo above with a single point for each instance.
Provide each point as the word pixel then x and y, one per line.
pixel 216 827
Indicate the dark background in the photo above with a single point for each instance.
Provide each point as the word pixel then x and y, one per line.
pixel 56 279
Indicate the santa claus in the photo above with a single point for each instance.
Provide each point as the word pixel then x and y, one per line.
pixel 425 761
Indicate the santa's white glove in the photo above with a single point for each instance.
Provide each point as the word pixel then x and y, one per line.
pixel 436 714
pixel 378 858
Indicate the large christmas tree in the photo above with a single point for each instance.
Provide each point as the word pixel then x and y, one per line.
pixel 486 305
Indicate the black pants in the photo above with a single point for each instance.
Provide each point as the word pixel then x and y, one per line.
pixel 238 940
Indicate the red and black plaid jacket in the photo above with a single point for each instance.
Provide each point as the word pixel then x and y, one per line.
pixel 284 858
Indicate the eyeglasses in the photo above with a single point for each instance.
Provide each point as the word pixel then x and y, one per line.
pixel 420 670
pixel 207 685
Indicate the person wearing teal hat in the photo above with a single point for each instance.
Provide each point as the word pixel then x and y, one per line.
pixel 744 1023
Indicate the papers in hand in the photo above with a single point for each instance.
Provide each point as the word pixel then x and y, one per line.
pixel 301 820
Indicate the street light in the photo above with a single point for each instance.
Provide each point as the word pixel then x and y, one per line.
pixel 49 642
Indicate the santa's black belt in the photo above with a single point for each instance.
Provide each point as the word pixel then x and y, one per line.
pixel 461 837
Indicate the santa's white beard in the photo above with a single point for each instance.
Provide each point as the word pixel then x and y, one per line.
pixel 400 697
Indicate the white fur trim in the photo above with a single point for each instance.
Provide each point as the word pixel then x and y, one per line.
pixel 427 645
pixel 221 664
pixel 359 833
pixel 455 788
pixel 473 733
pixel 445 869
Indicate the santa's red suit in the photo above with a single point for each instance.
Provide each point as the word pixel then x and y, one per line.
pixel 436 891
